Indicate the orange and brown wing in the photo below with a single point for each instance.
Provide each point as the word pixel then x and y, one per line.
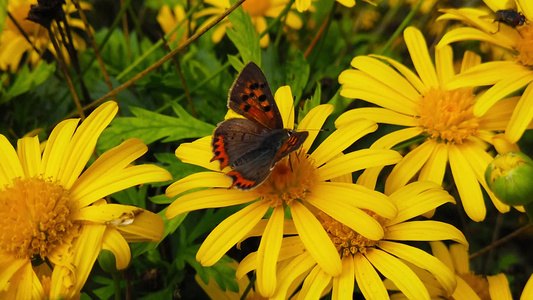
pixel 251 97
pixel 292 143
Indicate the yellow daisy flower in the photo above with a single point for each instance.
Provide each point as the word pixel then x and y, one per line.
pixel 296 183
pixel 515 73
pixel 303 5
pixel 169 18
pixel 13 44
pixel 259 10
pixel 469 285
pixel 362 258
pixel 436 106
pixel 52 210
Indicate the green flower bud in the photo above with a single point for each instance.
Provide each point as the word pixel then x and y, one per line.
pixel 510 177
pixel 107 261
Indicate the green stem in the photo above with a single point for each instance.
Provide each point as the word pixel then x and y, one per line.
pixel 402 26
pixel 116 284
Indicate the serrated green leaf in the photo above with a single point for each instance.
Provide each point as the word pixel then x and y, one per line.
pixel 150 126
pixel 27 80
pixel 235 62
pixel 297 74
pixel 244 37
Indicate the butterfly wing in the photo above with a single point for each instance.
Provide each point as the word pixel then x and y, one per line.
pixel 293 142
pixel 251 97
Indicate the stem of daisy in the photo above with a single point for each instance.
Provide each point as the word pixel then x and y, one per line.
pixel 116 284
pixel 402 26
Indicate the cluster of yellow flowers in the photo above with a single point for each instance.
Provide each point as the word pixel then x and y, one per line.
pixel 320 232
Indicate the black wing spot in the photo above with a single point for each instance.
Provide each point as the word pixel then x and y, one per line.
pixel 262 98
pixel 244 97
pixel 254 86
pixel 262 85
pixel 246 107
pixel 266 108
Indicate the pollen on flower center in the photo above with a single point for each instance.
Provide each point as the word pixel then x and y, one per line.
pixel 478 283
pixel 524 45
pixel 256 7
pixel 448 115
pixel 34 217
pixel 345 239
pixel 291 179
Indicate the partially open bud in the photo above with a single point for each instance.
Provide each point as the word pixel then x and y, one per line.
pixel 510 177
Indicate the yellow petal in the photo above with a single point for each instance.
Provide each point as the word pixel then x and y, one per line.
pixel 343 285
pixel 424 231
pixel 408 167
pixel 499 287
pixel 512 82
pixel 423 260
pixel 527 293
pixel 198 153
pixel 485 74
pixel 402 276
pixel 22 283
pixel 314 121
pixel 379 70
pixel 376 114
pixel 291 272
pixel 522 116
pixel 83 142
pixel 357 196
pixel 467 185
pixel 114 242
pixel 440 251
pixel 10 166
pixel 435 167
pixel 407 73
pixel 229 232
pixel 459 255
pixel 315 283
pixel 29 152
pixel 357 160
pixel 268 252
pixel 302 5
pixel 57 145
pixel 527 8
pixel 368 279
pixel 470 60
pixel 444 64
pixel 469 34
pixel 211 198
pixel 198 180
pixel 464 291
pixel 341 139
pixel 497 118
pixel 357 84
pixel 345 211
pixel 419 204
pixel 316 240
pixel 285 104
pixel 66 280
pixel 416 44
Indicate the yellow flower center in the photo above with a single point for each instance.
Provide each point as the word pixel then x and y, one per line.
pixel 448 115
pixel 256 7
pixel 291 179
pixel 524 45
pixel 34 217
pixel 345 239
pixel 478 283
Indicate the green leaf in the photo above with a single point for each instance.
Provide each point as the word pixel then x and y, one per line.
pixel 177 168
pixel 27 80
pixel 150 127
pixel 221 272
pixel 244 37
pixel 311 103
pixel 297 75
pixel 132 196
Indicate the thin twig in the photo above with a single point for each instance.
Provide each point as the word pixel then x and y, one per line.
pixel 164 58
pixel 501 241
pixel 182 79
pixel 93 44
pixel 126 31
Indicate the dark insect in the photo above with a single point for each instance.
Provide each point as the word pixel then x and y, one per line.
pixel 509 17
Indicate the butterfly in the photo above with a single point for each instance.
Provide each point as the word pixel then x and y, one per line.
pixel 251 147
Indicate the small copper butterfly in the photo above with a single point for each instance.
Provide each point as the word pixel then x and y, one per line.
pixel 253 146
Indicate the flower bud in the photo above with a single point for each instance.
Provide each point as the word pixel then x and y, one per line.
pixel 510 177
pixel 107 261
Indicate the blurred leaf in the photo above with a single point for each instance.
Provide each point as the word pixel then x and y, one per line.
pixel 27 80
pixel 297 75
pixel 149 127
pixel 221 272
pixel 311 103
pixel 235 62
pixel 177 168
pixel 243 35
pixel 132 196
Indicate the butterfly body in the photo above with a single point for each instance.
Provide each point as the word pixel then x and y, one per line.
pixel 251 147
